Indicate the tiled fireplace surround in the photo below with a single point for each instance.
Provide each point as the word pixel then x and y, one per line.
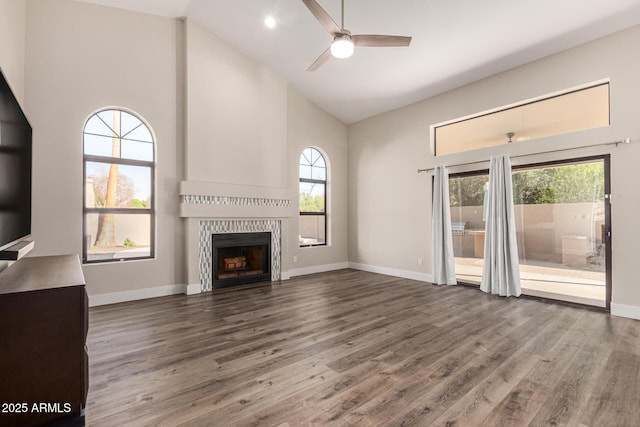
pixel 221 208
pixel 209 227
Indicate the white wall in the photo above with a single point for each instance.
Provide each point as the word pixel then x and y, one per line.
pixel 390 206
pixel 80 58
pixel 246 128
pixel 309 126
pixel 12 44
pixel 236 115
pixel 222 123
pixel 388 221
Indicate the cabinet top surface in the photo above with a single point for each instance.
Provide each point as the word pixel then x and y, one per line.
pixel 39 273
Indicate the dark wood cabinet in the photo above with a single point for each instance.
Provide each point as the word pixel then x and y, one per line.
pixel 43 329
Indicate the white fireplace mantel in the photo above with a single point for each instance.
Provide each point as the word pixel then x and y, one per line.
pixel 212 208
pixel 218 200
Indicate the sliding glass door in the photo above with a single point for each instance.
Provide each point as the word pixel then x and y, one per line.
pixel 562 225
pixel 468 195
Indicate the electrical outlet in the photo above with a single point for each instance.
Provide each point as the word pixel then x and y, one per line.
pixel 420 261
pixel 295 258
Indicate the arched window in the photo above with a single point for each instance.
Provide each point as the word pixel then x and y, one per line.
pixel 313 198
pixel 119 176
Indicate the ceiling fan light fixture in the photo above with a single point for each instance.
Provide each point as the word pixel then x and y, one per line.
pixel 343 43
pixel 342 46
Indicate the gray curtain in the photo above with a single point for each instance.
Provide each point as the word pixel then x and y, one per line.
pixel 444 272
pixel 501 272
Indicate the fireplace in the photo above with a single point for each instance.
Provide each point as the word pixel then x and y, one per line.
pixel 239 258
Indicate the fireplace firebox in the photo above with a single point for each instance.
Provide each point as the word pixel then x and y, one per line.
pixel 240 258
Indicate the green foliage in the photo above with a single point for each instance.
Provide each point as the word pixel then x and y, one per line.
pixel 137 203
pixel 310 203
pixel 563 184
pixel 560 184
pixel 467 190
pixel 128 243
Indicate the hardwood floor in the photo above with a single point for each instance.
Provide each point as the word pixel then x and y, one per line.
pixel 355 348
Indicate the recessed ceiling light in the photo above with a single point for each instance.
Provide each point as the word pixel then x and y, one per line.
pixel 270 21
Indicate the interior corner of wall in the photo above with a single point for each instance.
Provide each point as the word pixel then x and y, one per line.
pixel 622 310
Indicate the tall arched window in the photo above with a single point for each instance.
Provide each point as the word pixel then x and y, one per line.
pixel 119 176
pixel 313 198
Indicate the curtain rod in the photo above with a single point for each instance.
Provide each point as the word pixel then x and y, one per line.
pixel 621 141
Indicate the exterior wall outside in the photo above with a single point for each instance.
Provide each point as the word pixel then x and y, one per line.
pixel 311 226
pixel 134 228
pixel 544 227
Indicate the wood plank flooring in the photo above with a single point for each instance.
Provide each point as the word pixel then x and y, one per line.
pixel 353 348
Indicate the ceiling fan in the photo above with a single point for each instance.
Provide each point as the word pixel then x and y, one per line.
pixel 343 42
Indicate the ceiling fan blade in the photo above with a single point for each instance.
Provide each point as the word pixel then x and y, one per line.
pixel 377 40
pixel 322 16
pixel 321 60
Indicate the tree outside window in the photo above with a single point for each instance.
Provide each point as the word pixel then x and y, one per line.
pixel 119 173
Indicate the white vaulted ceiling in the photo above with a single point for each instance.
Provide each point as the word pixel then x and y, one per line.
pixel 455 42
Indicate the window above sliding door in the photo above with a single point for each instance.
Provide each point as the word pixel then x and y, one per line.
pixel 570 111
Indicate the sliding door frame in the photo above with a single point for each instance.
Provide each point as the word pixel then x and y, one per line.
pixel 606 159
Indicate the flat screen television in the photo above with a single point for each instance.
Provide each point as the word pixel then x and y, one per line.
pixel 15 169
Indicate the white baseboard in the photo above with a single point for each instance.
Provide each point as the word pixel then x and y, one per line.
pixel 630 311
pixel 194 288
pixel 161 291
pixel 138 294
pixel 405 274
pixel 316 269
pixel 285 275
